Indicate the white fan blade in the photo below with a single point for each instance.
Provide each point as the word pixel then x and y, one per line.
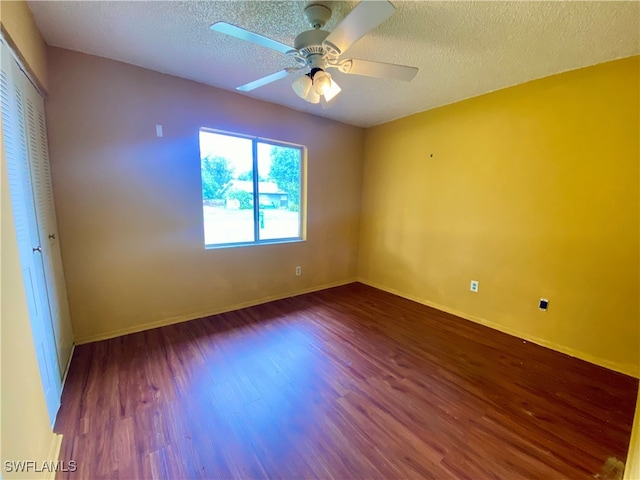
pixel 265 80
pixel 242 34
pixel 367 15
pixel 378 69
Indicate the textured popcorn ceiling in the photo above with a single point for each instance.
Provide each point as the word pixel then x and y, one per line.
pixel 463 49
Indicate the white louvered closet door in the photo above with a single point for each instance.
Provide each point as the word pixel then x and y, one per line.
pixel 47 225
pixel 28 237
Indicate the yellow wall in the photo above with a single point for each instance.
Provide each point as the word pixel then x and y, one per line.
pixel 19 25
pixel 129 204
pixel 532 191
pixel 25 430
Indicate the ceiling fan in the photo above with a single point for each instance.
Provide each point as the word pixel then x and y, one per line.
pixel 317 50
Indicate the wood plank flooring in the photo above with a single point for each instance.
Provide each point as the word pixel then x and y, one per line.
pixel 350 382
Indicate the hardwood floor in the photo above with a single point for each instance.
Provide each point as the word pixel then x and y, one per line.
pixel 350 382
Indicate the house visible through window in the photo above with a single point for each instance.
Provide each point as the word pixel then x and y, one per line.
pixel 251 189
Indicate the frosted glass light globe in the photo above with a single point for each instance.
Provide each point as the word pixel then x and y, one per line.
pixel 321 82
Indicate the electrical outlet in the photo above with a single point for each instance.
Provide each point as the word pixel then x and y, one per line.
pixel 298 271
pixel 474 286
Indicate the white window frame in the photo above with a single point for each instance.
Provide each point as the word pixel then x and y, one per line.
pixel 302 208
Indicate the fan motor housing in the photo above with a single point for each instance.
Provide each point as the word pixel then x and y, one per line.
pixel 310 42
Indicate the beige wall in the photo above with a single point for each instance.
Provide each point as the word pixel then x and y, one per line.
pixel 25 430
pixel 533 191
pixel 129 204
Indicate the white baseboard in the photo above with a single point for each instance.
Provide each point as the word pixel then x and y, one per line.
pixel 66 370
pixel 631 370
pixel 194 316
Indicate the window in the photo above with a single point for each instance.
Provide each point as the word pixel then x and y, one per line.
pixel 251 190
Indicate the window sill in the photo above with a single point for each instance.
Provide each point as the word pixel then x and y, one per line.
pixel 254 244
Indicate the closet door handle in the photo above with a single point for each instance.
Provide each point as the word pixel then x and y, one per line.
pixel 37 249
pixel 52 236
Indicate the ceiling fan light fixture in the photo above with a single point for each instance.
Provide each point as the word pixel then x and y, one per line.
pixel 302 86
pixel 312 96
pixel 321 82
pixel 333 90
